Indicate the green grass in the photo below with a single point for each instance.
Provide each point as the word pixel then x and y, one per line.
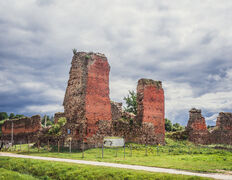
pixel 176 154
pixel 10 175
pixel 57 170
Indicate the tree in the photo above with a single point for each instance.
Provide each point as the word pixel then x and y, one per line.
pixel 177 127
pixel 48 121
pixel 131 102
pixel 19 116
pixel 74 51
pixel 56 128
pixel 12 116
pixel 168 125
pixel 3 116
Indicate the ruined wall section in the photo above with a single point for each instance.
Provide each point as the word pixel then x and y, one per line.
pixel 74 100
pixel 86 103
pixel 196 128
pixel 24 129
pixel 97 101
pixel 222 133
pixel 150 99
pixel 116 110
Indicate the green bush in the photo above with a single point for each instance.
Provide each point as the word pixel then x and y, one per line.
pixel 56 128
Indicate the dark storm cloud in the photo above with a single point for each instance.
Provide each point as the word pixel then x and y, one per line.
pixel 186 44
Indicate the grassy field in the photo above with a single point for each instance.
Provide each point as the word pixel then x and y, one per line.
pixel 176 154
pixel 8 175
pixel 17 168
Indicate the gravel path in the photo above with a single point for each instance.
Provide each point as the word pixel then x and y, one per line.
pixel 125 166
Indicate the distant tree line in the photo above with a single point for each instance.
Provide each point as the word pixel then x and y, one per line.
pixel 172 127
pixel 45 119
pixel 4 116
pixel 131 106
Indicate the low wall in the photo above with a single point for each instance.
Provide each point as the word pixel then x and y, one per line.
pixel 24 129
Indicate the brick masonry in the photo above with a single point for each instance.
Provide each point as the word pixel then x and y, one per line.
pixel 91 115
pixel 222 133
pixel 24 129
pixel 196 128
pixel 199 134
pixel 150 99
pixel 87 104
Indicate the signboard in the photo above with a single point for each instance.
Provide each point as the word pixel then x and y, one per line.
pixel 113 142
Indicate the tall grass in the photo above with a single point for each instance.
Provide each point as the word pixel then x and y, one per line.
pixel 57 170
pixel 175 154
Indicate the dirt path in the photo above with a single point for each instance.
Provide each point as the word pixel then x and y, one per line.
pixel 125 166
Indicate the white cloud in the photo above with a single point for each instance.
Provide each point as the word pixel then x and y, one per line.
pixel 186 44
pixel 212 118
pixel 47 109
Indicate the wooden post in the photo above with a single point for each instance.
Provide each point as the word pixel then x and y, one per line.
pixel 70 146
pixel 83 148
pixel 48 145
pixel 146 150
pixel 20 145
pixel 124 151
pixel 102 151
pixel 116 152
pixel 58 145
pixel 130 151
pixel 28 142
pixel 38 145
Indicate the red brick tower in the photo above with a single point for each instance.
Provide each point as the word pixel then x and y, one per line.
pixel 150 99
pixel 87 99
pixel 196 128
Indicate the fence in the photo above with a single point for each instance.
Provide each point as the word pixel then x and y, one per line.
pixel 129 150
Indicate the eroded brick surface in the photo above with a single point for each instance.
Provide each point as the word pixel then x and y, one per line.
pixel 196 128
pixel 86 101
pixel 97 101
pixel 150 99
pixel 24 129
pixel 222 133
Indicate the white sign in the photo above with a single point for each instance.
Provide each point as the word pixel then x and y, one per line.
pixel 113 142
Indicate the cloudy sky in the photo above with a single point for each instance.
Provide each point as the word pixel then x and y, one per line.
pixel 185 44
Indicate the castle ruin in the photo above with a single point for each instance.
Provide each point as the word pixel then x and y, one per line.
pixel 199 134
pixel 22 130
pixel 91 115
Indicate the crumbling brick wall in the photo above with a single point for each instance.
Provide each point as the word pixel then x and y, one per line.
pixel 116 110
pixel 24 130
pixel 222 133
pixel 198 133
pixel 196 128
pixel 150 100
pixel 148 126
pixel 86 103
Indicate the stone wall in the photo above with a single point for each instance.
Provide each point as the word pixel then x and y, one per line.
pixel 196 128
pixel 86 104
pixel 24 129
pixel 222 133
pixel 116 110
pixel 150 100
pixel 148 126
pixel 198 133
